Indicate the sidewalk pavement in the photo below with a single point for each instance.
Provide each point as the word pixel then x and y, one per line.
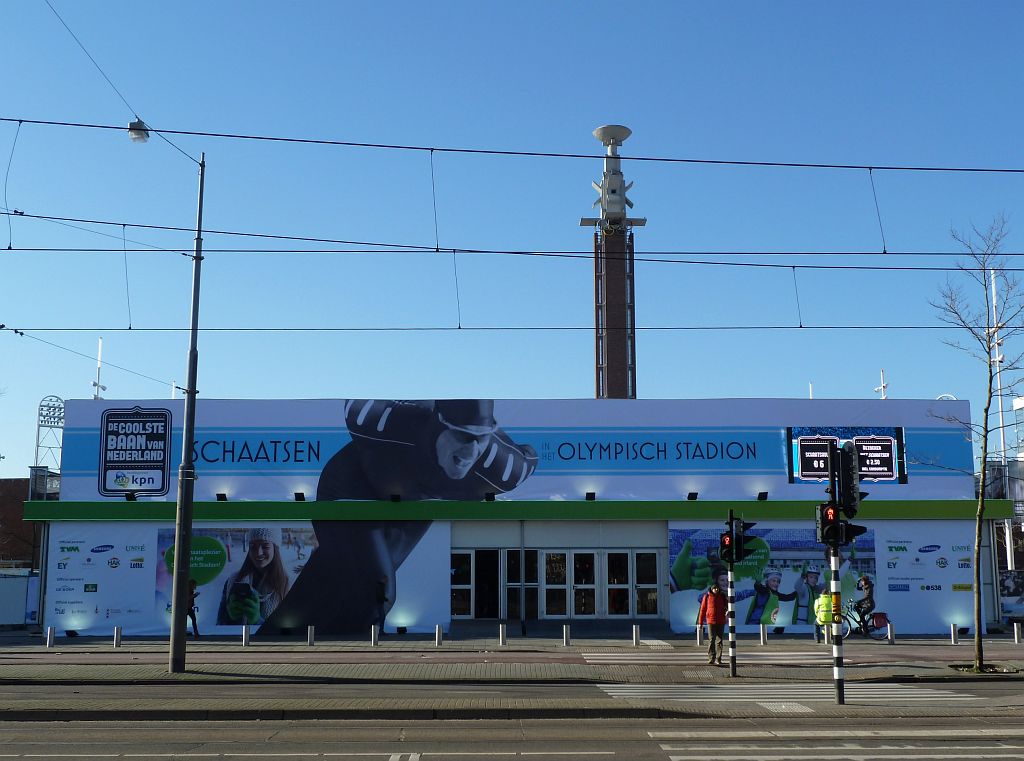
pixel 415 679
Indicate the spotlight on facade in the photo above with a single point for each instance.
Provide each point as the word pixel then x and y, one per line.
pixel 222 497
pixel 762 496
pixel 489 496
pixel 591 496
pixel 300 496
pixel 691 496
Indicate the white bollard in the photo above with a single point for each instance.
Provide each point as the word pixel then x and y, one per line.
pixel 437 635
pixel 566 640
pixel 50 634
pixel 245 635
pixel 700 635
pixel 310 635
pixel 891 634
pixel 1016 634
pixel 954 636
pixel 764 634
pixel 117 636
pixel 502 635
pixel 827 628
pixel 374 635
pixel 636 635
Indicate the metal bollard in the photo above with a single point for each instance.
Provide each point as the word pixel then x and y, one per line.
pixel 827 628
pixel 437 635
pixel 700 636
pixel 310 635
pixel 566 640
pixel 245 635
pixel 1016 634
pixel 764 634
pixel 50 633
pixel 954 635
pixel 374 635
pixel 891 634
pixel 502 634
pixel 117 636
pixel 636 635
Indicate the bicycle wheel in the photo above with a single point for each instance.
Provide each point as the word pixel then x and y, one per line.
pixel 845 627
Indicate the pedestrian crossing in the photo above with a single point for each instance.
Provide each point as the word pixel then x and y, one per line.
pixel 806 692
pixel 822 657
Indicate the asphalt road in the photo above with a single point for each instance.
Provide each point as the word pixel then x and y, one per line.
pixel 794 738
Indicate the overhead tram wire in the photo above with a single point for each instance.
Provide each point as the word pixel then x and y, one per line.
pixel 112 85
pixel 483 328
pixel 21 332
pixel 532 154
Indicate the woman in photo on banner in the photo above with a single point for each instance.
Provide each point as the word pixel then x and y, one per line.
pixel 257 588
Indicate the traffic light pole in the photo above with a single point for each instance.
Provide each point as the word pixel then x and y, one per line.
pixel 731 614
pixel 837 628
pixel 837 591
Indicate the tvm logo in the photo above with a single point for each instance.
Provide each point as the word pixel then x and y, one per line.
pixel 69 548
pixel 897 548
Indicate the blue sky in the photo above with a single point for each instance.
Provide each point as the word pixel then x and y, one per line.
pixel 916 83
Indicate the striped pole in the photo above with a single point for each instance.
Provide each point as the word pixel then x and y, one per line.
pixel 731 615
pixel 837 629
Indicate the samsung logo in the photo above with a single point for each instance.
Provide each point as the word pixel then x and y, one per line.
pixel 899 587
pixel 929 548
pixel 101 548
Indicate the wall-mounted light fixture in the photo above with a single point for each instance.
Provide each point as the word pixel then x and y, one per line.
pixel 489 496
pixel 591 496
pixel 691 496
pixel 762 496
pixel 222 497
pixel 300 496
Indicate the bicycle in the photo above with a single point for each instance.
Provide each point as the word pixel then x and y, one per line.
pixel 876 626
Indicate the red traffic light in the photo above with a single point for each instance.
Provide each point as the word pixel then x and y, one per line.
pixel 726 540
pixel 830 514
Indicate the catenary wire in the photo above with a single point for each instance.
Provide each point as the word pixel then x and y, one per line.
pixel 496 328
pixel 112 85
pixel 23 334
pixel 534 154
pixel 412 248
pixel 7 177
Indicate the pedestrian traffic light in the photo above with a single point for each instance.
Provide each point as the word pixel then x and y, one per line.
pixel 828 527
pixel 725 547
pixel 850 494
pixel 740 550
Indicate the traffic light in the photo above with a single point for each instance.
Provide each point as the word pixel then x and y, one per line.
pixel 850 494
pixel 828 526
pixel 850 532
pixel 739 549
pixel 725 548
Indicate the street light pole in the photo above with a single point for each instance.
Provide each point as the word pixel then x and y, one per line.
pixel 180 601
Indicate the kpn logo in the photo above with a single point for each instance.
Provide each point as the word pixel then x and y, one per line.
pixel 121 480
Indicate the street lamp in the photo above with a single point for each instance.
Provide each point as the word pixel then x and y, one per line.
pixel 180 601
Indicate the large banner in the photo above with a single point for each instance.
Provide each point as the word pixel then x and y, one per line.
pixel 920 572
pixel 467 449
pixel 101 575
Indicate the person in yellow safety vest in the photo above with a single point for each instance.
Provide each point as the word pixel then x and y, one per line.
pixel 822 613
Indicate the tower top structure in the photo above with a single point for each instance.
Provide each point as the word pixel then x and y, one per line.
pixel 611 191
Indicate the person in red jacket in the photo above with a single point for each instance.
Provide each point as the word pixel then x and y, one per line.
pixel 712 612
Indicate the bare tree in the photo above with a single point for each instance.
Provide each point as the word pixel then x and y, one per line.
pixel 987 321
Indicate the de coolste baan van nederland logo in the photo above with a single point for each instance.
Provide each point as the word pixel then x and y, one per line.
pixel 135 451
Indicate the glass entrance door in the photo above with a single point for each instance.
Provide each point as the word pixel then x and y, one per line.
pixel 584 584
pixel 618 586
pixel 556 584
